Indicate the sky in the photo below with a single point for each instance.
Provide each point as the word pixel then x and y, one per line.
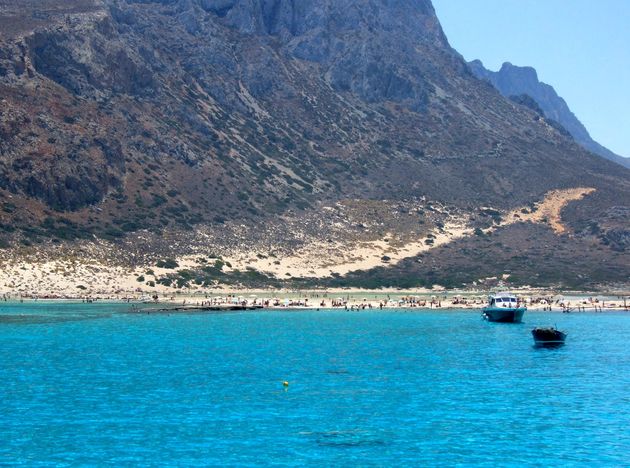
pixel 580 47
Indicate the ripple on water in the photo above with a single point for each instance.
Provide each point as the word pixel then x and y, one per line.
pixel 32 319
pixel 347 438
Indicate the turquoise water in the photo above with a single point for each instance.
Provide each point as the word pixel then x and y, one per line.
pixel 88 384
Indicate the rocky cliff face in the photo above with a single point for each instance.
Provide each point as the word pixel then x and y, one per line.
pixel 121 115
pixel 512 80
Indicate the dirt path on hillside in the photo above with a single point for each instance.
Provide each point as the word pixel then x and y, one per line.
pixel 549 210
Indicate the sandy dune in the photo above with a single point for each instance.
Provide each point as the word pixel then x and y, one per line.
pixel 319 260
pixel 549 210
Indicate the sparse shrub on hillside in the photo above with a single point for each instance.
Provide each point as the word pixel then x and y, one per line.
pixel 112 233
pixel 158 200
pixel 8 207
pixel 495 215
pixel 165 281
pixel 168 263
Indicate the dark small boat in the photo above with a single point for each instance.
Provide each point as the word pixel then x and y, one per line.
pixel 550 336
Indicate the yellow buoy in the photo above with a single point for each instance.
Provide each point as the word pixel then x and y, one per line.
pixel 285 383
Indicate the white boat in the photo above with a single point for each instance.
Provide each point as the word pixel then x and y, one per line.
pixel 503 307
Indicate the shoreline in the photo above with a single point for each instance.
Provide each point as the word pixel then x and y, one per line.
pixel 350 301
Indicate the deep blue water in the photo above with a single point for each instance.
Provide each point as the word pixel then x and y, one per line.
pixel 88 384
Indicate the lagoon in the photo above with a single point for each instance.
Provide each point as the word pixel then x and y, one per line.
pixel 91 384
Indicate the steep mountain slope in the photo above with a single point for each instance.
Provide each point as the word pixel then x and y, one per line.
pixel 124 115
pixel 512 80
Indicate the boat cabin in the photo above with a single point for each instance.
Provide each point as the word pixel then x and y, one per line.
pixel 503 300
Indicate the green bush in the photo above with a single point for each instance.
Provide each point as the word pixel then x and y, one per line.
pixel 168 263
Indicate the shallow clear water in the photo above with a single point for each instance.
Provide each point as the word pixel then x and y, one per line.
pixel 87 384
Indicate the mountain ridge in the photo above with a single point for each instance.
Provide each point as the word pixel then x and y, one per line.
pixel 512 80
pixel 126 121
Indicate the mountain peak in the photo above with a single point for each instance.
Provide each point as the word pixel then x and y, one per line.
pixel 528 74
pixel 293 18
pixel 515 81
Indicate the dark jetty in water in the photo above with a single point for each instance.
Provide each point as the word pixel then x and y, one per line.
pixel 196 308
pixel 550 336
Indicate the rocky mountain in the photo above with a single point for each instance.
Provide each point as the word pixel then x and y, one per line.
pixel 135 121
pixel 512 80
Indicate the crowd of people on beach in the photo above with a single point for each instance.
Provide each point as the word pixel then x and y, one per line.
pixel 316 300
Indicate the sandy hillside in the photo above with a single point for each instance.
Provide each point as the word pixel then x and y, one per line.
pixel 549 210
pixel 321 259
pixel 83 275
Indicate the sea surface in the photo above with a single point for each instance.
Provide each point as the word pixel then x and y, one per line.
pixel 94 385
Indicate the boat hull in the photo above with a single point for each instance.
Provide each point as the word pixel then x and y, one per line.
pixel 548 337
pixel 548 344
pixel 504 314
